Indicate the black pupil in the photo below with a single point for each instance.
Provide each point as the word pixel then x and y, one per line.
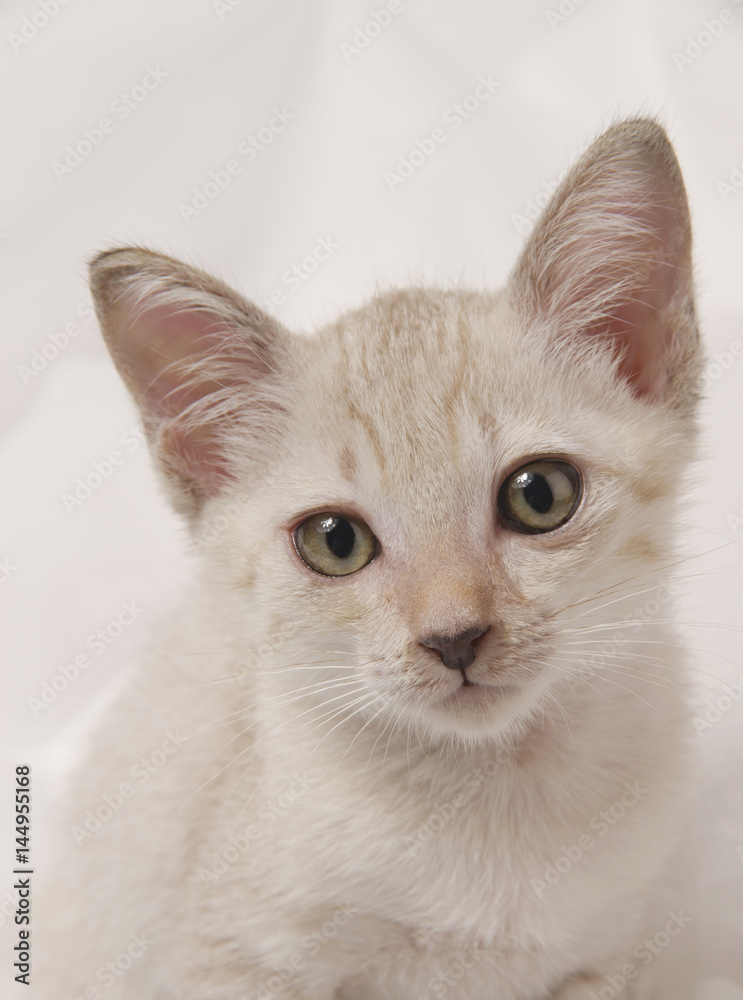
pixel 538 494
pixel 341 539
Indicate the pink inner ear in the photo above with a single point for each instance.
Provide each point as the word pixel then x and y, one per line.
pixel 162 344
pixel 174 359
pixel 194 455
pixel 642 334
pixel 611 257
pixel 640 323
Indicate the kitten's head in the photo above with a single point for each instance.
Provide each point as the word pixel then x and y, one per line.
pixel 435 486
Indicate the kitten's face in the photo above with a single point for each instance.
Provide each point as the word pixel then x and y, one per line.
pixel 442 488
pixel 412 418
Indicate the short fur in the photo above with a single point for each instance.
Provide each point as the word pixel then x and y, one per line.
pixel 339 823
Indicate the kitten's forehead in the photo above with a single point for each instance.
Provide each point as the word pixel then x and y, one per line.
pixel 411 373
pixel 416 404
pixel 406 404
pixel 409 338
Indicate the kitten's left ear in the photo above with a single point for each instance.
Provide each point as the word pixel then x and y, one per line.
pixel 610 257
pixel 199 360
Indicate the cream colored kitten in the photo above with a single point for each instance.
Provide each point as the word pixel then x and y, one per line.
pixel 408 737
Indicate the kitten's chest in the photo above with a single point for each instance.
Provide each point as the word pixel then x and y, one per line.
pixel 456 858
pixel 510 851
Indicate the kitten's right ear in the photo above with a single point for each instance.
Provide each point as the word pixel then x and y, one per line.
pixel 197 358
pixel 609 261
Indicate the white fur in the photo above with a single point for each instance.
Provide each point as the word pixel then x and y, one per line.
pixel 400 841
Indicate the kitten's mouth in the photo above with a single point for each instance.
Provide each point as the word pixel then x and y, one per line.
pixel 474 693
pixel 476 709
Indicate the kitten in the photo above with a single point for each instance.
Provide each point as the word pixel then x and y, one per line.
pixel 407 737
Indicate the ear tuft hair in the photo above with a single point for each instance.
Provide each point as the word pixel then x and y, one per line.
pixel 199 360
pixel 610 257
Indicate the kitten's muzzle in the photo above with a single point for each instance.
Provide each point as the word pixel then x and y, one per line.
pixel 457 652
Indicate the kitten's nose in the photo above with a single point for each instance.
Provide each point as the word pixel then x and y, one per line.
pixel 457 652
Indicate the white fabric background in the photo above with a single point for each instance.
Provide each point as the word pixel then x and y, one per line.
pixel 456 218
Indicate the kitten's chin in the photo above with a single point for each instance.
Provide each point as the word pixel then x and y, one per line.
pixel 477 710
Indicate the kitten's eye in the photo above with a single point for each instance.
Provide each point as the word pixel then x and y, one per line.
pixel 540 496
pixel 334 545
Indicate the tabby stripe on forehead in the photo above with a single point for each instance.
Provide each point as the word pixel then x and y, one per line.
pixel 368 425
pixel 347 463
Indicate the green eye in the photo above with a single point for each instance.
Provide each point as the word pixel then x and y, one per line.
pixel 334 545
pixel 540 496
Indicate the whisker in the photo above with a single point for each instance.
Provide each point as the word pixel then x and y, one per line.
pixel 371 752
pixel 547 663
pixel 624 596
pixel 374 698
pixel 682 647
pixel 553 697
pixel 392 732
pixel 656 569
pixel 654 708
pixel 367 723
pixel 334 715
pixel 291 696
pixel 639 675
pixel 658 662
pixel 637 622
pixel 252 746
